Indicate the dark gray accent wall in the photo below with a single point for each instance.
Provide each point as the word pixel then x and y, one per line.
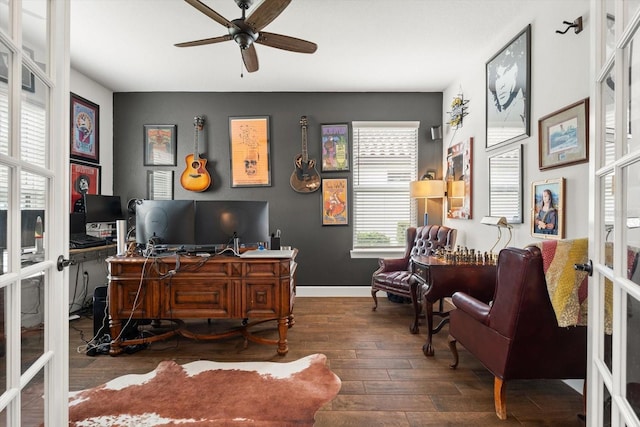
pixel 323 258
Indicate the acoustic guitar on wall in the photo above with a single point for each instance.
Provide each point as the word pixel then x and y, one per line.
pixel 195 176
pixel 305 177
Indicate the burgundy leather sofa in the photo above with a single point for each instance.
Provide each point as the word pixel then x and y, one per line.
pixel 394 274
pixel 517 336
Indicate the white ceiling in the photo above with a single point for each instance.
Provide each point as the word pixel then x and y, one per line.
pixel 363 45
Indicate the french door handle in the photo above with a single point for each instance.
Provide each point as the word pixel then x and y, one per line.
pixel 63 262
pixel 585 267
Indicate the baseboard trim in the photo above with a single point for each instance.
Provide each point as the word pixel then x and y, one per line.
pixel 335 291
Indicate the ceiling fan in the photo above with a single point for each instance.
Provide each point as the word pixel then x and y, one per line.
pixel 247 31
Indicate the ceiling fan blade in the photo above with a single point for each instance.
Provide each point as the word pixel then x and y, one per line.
pixel 266 12
pixel 287 43
pixel 210 13
pixel 205 41
pixel 250 58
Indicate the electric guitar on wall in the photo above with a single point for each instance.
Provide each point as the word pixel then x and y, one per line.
pixel 195 177
pixel 305 177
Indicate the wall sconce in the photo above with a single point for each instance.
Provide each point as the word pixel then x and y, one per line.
pixel 500 222
pixel 436 133
pixel 426 189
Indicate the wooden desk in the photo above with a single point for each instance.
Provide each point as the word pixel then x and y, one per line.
pixel 192 287
pixel 437 278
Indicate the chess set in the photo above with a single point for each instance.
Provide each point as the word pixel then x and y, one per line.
pixel 464 255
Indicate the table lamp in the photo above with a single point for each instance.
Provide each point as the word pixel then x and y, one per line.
pixel 500 222
pixel 427 189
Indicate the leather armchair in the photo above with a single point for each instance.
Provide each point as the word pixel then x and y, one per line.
pixel 394 274
pixel 517 336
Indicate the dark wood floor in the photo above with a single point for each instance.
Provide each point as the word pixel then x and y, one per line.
pixel 386 379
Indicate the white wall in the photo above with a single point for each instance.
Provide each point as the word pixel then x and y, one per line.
pixel 559 77
pixel 85 87
pixel 86 276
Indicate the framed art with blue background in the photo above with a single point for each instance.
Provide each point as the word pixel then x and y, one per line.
pixel 85 130
pixel 563 136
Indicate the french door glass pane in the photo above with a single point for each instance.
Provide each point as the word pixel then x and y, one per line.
pixel 32 319
pixel 609 28
pixel 5 61
pixel 630 8
pixel 633 354
pixel 3 340
pixel 33 126
pixel 633 96
pixel 609 106
pixel 33 217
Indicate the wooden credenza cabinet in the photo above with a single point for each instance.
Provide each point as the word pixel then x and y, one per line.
pixel 181 287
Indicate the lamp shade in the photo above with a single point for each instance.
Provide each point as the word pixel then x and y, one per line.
pixel 457 189
pixel 427 188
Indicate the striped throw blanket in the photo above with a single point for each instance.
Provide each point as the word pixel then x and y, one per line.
pixel 567 287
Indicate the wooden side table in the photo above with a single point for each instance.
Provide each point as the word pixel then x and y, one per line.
pixel 437 278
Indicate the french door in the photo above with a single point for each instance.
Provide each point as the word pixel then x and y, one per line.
pixel 34 103
pixel 614 241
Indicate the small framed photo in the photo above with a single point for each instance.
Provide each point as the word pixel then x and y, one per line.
pixel 563 136
pixel 85 179
pixel 547 219
pixel 160 145
pixel 250 151
pixel 335 202
pixel 85 130
pixel 335 147
pixel 508 106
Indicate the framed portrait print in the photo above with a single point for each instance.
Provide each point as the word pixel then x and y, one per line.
pixel 250 151
pixel 563 136
pixel 335 202
pixel 508 79
pixel 547 218
pixel 160 144
pixel 85 132
pixel 85 179
pixel 335 147
pixel 458 180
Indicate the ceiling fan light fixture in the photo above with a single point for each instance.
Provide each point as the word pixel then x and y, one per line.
pixel 244 40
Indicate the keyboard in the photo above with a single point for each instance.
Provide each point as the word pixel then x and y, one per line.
pixel 82 241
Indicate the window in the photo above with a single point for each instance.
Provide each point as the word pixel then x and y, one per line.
pixel 384 164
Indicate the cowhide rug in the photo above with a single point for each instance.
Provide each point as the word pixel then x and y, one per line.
pixel 205 393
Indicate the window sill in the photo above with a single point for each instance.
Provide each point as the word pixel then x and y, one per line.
pixel 377 253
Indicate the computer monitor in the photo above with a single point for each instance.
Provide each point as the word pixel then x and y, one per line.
pixel 168 222
pixel 99 208
pixel 217 221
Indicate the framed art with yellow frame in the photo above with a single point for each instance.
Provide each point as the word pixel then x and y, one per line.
pixel 547 215
pixel 335 202
pixel 249 149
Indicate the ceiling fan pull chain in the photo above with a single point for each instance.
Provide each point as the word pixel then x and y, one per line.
pixel 241 69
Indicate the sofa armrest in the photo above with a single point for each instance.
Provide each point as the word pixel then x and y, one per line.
pixel 392 264
pixel 472 306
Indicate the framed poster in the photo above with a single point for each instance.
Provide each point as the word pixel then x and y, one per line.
pixel 85 132
pixel 563 136
pixel 508 91
pixel 85 179
pixel 250 151
pixel 160 143
pixel 547 219
pixel 335 202
pixel 335 147
pixel 458 180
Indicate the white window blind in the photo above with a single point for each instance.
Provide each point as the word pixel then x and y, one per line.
pixel 33 124
pixel 384 163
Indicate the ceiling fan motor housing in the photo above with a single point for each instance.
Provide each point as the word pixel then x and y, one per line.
pixel 242 33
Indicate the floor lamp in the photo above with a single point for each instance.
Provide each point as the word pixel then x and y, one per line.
pixel 427 189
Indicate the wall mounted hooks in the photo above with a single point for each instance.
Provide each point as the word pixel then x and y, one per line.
pixel 576 25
